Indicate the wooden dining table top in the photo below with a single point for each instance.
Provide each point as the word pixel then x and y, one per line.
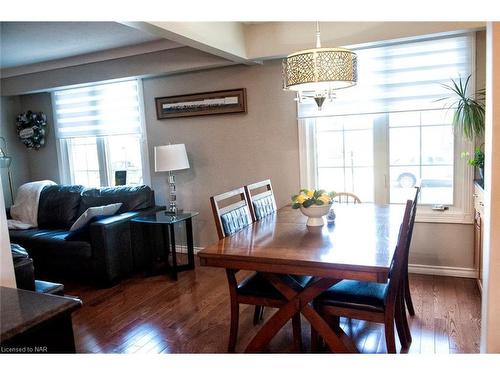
pixel 359 245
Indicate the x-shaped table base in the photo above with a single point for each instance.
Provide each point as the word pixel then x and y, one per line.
pixel 299 302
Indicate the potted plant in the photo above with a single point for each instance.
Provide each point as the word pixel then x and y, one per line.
pixel 314 204
pixel 477 161
pixel 468 117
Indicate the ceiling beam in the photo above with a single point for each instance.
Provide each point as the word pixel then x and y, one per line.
pixel 223 39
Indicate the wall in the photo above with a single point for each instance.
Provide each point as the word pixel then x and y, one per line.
pixel 227 151
pixel 490 317
pixel 10 107
pixel 261 144
pixel 42 163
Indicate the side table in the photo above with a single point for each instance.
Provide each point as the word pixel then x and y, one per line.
pixel 166 222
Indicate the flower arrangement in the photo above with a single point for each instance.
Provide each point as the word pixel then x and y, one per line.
pixel 306 198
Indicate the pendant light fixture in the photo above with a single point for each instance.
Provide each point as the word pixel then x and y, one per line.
pixel 316 73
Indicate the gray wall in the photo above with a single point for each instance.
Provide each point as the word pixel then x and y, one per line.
pixel 227 151
pixel 10 107
pixel 42 163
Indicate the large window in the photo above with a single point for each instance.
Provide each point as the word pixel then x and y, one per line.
pixel 101 134
pixel 390 132
pixel 345 154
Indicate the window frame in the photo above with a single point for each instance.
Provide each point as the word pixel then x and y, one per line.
pixel 62 147
pixel 461 209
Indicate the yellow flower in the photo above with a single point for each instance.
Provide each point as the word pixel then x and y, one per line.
pixel 324 198
pixel 300 199
pixel 310 193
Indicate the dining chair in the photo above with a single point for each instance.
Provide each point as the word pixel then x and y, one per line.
pixel 344 197
pixel 371 301
pixel 407 294
pixel 261 198
pixel 254 289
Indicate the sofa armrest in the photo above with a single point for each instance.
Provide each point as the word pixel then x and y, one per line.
pixel 126 216
pixel 111 247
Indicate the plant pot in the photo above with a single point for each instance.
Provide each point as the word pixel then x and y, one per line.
pixel 481 173
pixel 315 214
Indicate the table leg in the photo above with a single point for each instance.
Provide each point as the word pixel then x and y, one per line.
pixel 174 253
pixel 190 243
pixel 166 247
pixel 299 302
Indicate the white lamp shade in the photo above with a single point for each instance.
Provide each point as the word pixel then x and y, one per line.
pixel 171 158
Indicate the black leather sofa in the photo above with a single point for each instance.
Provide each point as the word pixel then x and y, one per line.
pixel 105 253
pixel 25 274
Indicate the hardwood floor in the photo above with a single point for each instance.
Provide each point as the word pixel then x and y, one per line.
pixel 157 315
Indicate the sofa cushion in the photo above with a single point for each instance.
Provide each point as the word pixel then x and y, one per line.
pixel 132 198
pixel 352 293
pixel 257 285
pixel 58 206
pixel 50 242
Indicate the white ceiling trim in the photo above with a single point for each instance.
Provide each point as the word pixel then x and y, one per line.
pixel 223 39
pixel 110 54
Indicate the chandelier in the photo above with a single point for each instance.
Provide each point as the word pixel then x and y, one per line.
pixel 316 73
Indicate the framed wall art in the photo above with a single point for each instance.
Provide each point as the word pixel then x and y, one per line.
pixel 200 104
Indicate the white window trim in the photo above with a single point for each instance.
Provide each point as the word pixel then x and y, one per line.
pixel 62 151
pixel 460 212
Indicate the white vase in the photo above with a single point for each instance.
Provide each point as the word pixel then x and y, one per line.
pixel 315 214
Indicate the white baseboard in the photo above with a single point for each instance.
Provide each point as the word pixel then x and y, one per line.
pixel 423 269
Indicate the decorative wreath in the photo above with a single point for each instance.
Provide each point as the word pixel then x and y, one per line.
pixel 31 129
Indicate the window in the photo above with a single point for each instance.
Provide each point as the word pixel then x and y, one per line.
pixel 345 154
pixel 100 132
pixel 421 149
pixel 390 132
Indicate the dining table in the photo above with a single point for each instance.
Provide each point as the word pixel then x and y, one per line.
pixel 358 245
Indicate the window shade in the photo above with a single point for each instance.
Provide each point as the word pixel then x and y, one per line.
pixel 400 77
pixel 99 110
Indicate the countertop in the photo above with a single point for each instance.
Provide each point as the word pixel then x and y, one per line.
pixel 21 310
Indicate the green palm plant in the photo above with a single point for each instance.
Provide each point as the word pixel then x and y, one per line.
pixel 469 111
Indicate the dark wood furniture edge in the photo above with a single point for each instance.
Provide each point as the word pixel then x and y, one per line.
pixel 71 305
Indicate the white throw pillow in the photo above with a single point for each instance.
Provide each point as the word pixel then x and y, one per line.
pixel 91 212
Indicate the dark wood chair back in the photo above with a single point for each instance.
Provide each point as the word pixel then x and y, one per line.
pixel 414 213
pixel 261 203
pixel 398 267
pixel 231 217
pixel 344 197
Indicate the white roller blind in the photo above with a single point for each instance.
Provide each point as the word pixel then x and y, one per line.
pixel 99 110
pixel 400 77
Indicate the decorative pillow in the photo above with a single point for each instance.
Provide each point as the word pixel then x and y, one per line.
pixel 91 212
pixel 83 233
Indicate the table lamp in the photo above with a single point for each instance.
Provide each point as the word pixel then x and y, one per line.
pixel 167 159
pixel 5 162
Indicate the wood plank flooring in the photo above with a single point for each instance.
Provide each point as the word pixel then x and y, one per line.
pixel 157 315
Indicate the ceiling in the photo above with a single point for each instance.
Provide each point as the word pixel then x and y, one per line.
pixel 24 43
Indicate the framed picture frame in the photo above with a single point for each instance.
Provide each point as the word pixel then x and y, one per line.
pixel 201 104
